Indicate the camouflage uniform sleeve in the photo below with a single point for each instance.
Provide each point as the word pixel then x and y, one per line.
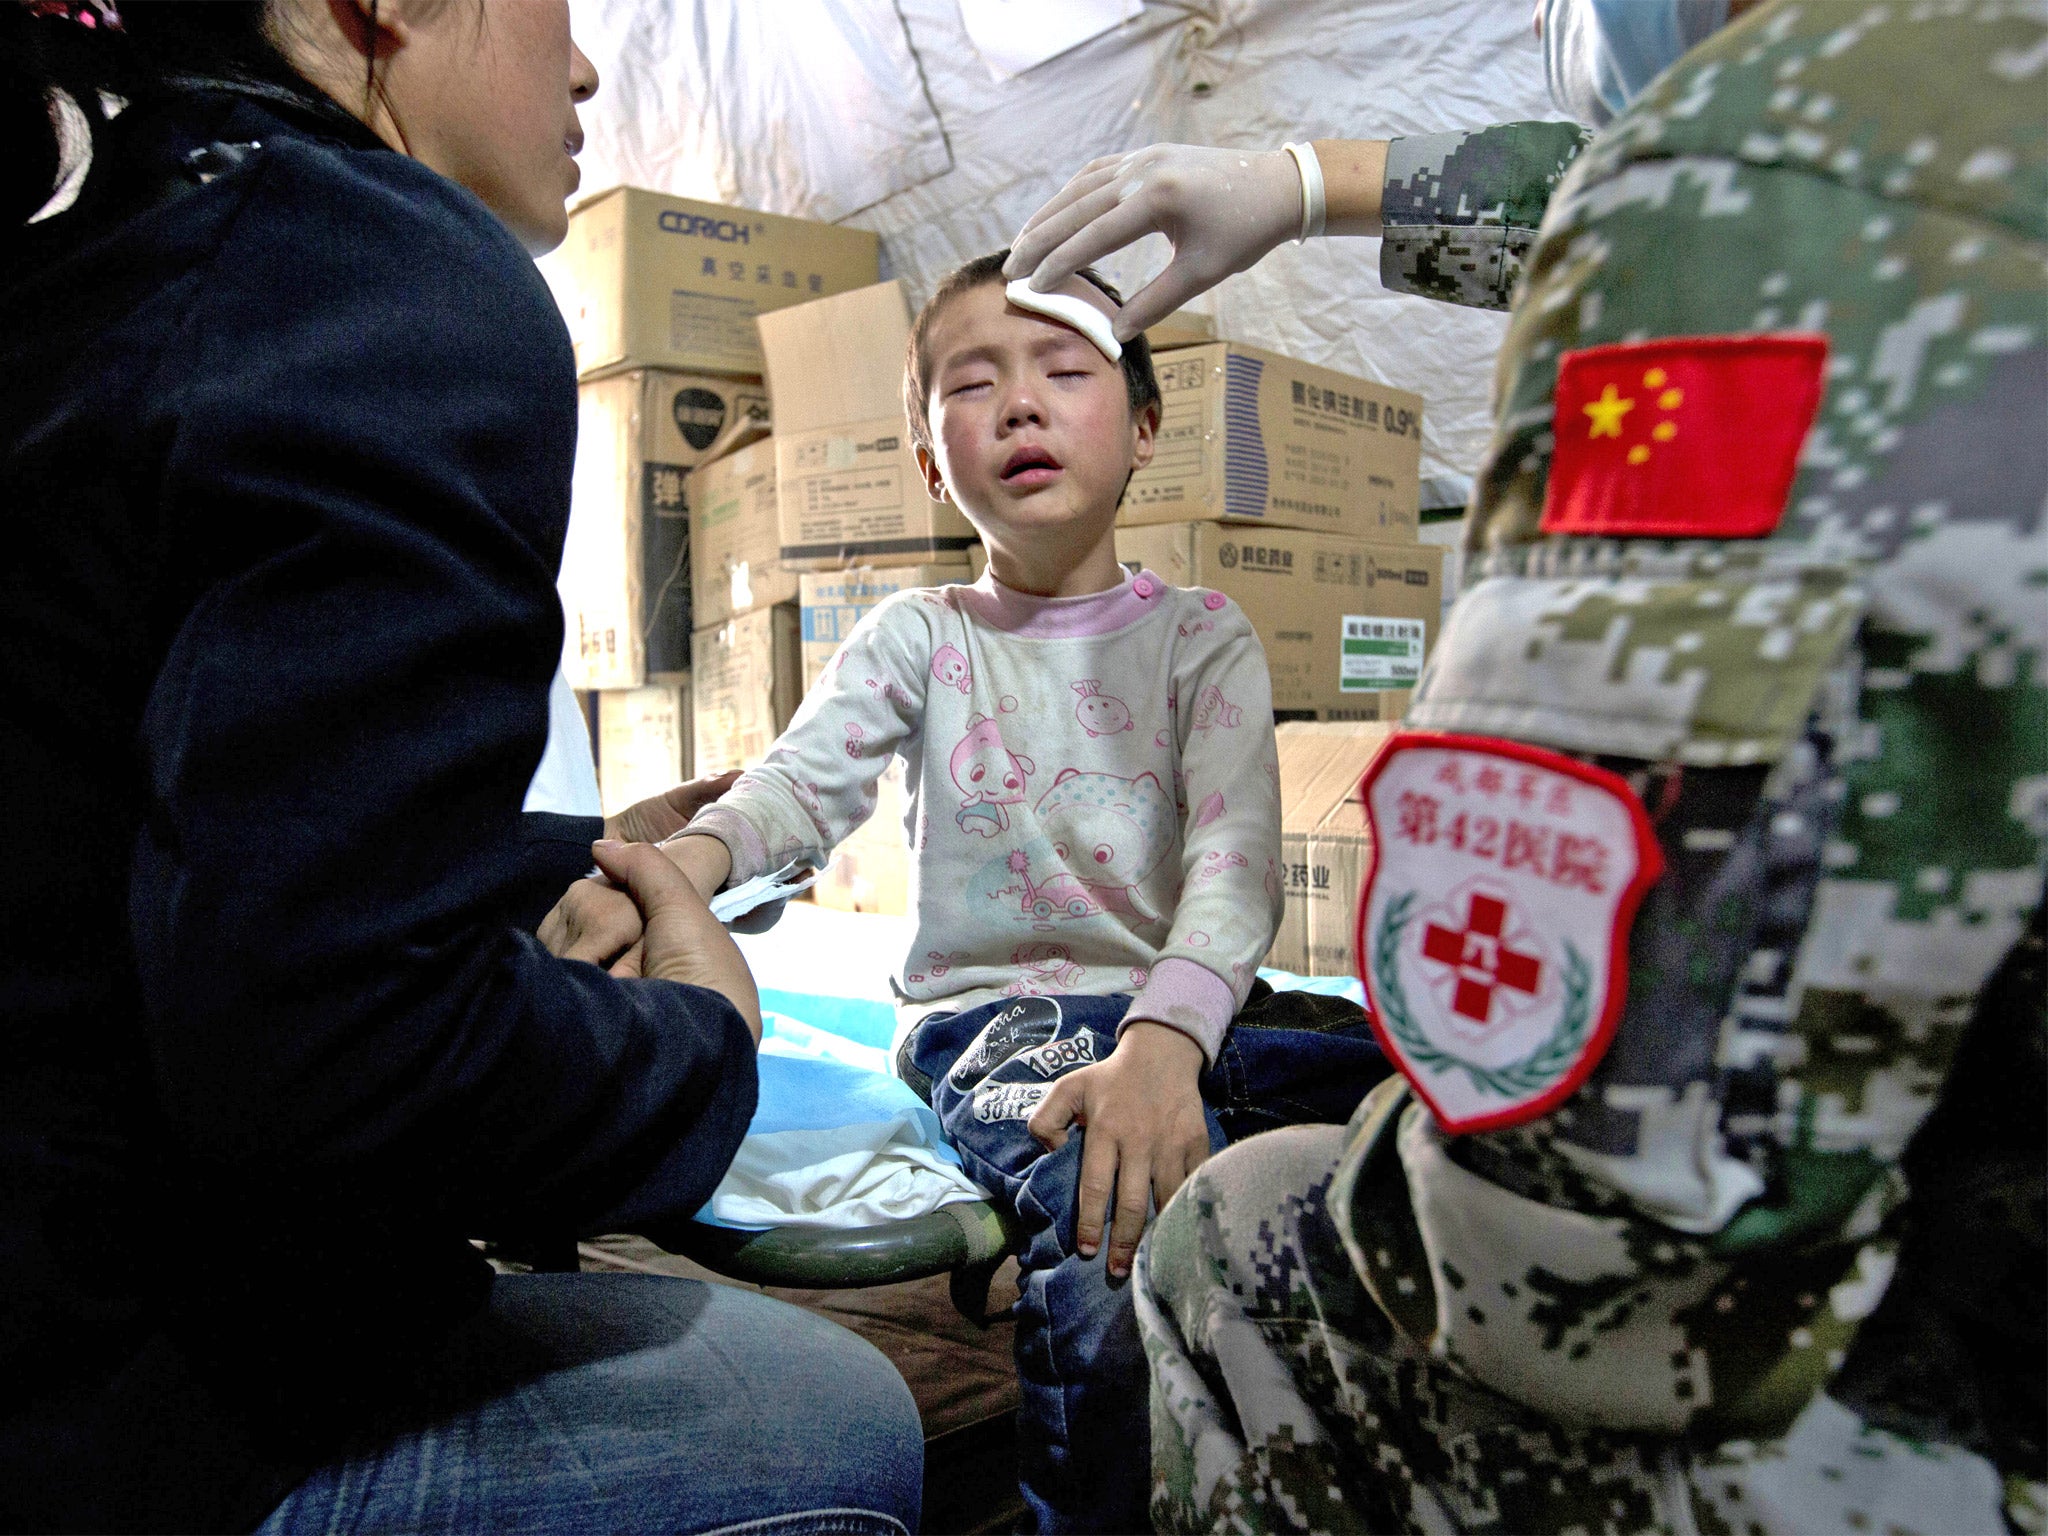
pixel 1656 1304
pixel 1461 209
pixel 1840 727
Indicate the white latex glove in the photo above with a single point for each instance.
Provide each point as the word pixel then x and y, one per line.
pixel 1222 209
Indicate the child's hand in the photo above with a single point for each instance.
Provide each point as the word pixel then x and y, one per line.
pixel 1146 1132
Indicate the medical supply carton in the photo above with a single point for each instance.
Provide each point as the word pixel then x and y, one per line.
pixel 735 563
pixel 745 686
pixel 1247 436
pixel 847 485
pixel 1324 844
pixel 834 601
pixel 648 280
pixel 625 577
pixel 643 740
pixel 1338 851
pixel 1346 625
pixel 1182 328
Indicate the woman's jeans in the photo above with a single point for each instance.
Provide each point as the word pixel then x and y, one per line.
pixel 1084 1435
pixel 630 1403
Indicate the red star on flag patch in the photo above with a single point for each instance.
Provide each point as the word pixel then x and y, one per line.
pixel 1688 437
pixel 1493 936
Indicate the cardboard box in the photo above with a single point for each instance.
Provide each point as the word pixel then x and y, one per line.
pixel 1317 761
pixel 834 601
pixel 870 871
pixel 745 686
pixel 643 740
pixel 625 579
pixel 1182 328
pixel 1251 436
pixel 846 482
pixel 1346 625
pixel 1339 847
pixel 734 565
pixel 648 280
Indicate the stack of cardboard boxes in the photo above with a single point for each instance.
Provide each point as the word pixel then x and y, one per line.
pixel 1293 489
pixel 854 522
pixel 661 295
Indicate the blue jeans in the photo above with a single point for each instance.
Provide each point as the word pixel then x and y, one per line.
pixel 1084 1436
pixel 630 1403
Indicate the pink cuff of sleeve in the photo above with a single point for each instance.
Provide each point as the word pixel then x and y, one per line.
pixel 749 853
pixel 1190 997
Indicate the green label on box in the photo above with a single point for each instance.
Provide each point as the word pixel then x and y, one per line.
pixel 1379 653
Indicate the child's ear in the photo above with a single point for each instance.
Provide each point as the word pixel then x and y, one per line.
pixel 1144 437
pixel 934 480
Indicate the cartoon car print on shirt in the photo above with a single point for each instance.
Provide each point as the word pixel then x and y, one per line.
pixel 1108 834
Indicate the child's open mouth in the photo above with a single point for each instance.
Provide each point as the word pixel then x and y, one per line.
pixel 1030 467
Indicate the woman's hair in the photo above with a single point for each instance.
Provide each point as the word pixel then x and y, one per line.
pixel 48 48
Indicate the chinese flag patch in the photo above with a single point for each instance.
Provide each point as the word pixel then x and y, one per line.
pixel 1687 437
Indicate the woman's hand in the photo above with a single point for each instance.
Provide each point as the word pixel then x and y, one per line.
pixel 593 921
pixel 661 815
pixel 681 940
pixel 1142 1109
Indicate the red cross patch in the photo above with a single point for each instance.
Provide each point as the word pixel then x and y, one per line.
pixel 1493 935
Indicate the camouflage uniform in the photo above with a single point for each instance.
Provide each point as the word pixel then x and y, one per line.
pixel 1694 1297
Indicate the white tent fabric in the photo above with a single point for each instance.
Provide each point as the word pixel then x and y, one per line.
pixel 880 114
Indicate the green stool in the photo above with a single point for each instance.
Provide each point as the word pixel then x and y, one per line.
pixel 968 1241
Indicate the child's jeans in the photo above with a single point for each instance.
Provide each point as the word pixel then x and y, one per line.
pixel 1084 1436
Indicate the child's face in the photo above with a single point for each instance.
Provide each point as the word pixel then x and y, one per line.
pixel 1031 426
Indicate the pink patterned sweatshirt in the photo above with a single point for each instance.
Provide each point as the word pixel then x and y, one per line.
pixel 1094 793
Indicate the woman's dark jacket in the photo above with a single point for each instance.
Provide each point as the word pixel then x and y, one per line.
pixel 285 444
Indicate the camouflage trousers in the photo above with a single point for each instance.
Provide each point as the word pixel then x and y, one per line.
pixel 1283 1400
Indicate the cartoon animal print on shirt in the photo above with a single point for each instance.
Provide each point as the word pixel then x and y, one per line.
pixel 1211 810
pixel 937 964
pixel 892 691
pixel 1108 834
pixel 951 669
pixel 1212 709
pixel 1047 968
pixel 854 742
pixel 990 776
pixel 1098 712
pixel 1214 864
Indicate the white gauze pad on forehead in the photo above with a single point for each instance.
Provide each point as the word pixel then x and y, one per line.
pixel 1068 310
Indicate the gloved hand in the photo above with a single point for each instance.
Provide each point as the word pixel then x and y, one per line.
pixel 1222 209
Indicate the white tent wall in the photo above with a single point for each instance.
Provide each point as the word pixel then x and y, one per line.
pixel 881 114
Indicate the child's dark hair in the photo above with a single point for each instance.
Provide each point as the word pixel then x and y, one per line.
pixel 1140 382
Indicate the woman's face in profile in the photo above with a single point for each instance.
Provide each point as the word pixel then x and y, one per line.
pixel 485 92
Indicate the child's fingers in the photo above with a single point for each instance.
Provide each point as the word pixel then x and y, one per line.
pixel 1170 1172
pixel 1098 1178
pixel 1055 1112
pixel 1133 1205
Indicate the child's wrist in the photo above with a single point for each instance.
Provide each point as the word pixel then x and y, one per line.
pixel 1163 1043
